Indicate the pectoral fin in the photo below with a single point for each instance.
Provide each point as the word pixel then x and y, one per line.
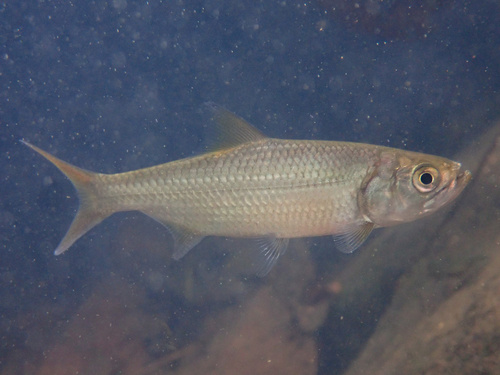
pixel 353 238
pixel 271 248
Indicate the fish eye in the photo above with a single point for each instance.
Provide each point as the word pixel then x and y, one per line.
pixel 426 178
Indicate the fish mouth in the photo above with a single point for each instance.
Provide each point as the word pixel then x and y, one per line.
pixel 456 185
pixel 449 191
pixel 460 181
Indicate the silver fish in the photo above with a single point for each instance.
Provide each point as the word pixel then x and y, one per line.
pixel 270 189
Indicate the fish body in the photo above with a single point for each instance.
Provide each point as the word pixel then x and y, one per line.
pixel 280 187
pixel 270 189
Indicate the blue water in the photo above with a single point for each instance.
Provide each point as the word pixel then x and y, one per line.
pixel 118 85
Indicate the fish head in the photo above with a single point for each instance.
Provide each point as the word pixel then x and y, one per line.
pixel 404 186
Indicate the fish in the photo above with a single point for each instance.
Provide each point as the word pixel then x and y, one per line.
pixel 248 185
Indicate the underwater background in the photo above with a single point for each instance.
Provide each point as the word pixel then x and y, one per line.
pixel 113 86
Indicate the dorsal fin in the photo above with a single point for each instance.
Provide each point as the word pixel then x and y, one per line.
pixel 231 130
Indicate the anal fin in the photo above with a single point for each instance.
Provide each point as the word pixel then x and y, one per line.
pixel 184 239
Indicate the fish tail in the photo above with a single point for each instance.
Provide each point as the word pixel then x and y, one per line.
pixel 89 213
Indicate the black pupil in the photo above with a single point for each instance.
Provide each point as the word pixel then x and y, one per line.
pixel 426 178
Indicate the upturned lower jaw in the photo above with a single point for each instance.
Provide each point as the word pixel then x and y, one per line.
pixel 459 183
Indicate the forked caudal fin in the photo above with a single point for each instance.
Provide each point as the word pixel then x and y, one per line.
pixel 88 214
